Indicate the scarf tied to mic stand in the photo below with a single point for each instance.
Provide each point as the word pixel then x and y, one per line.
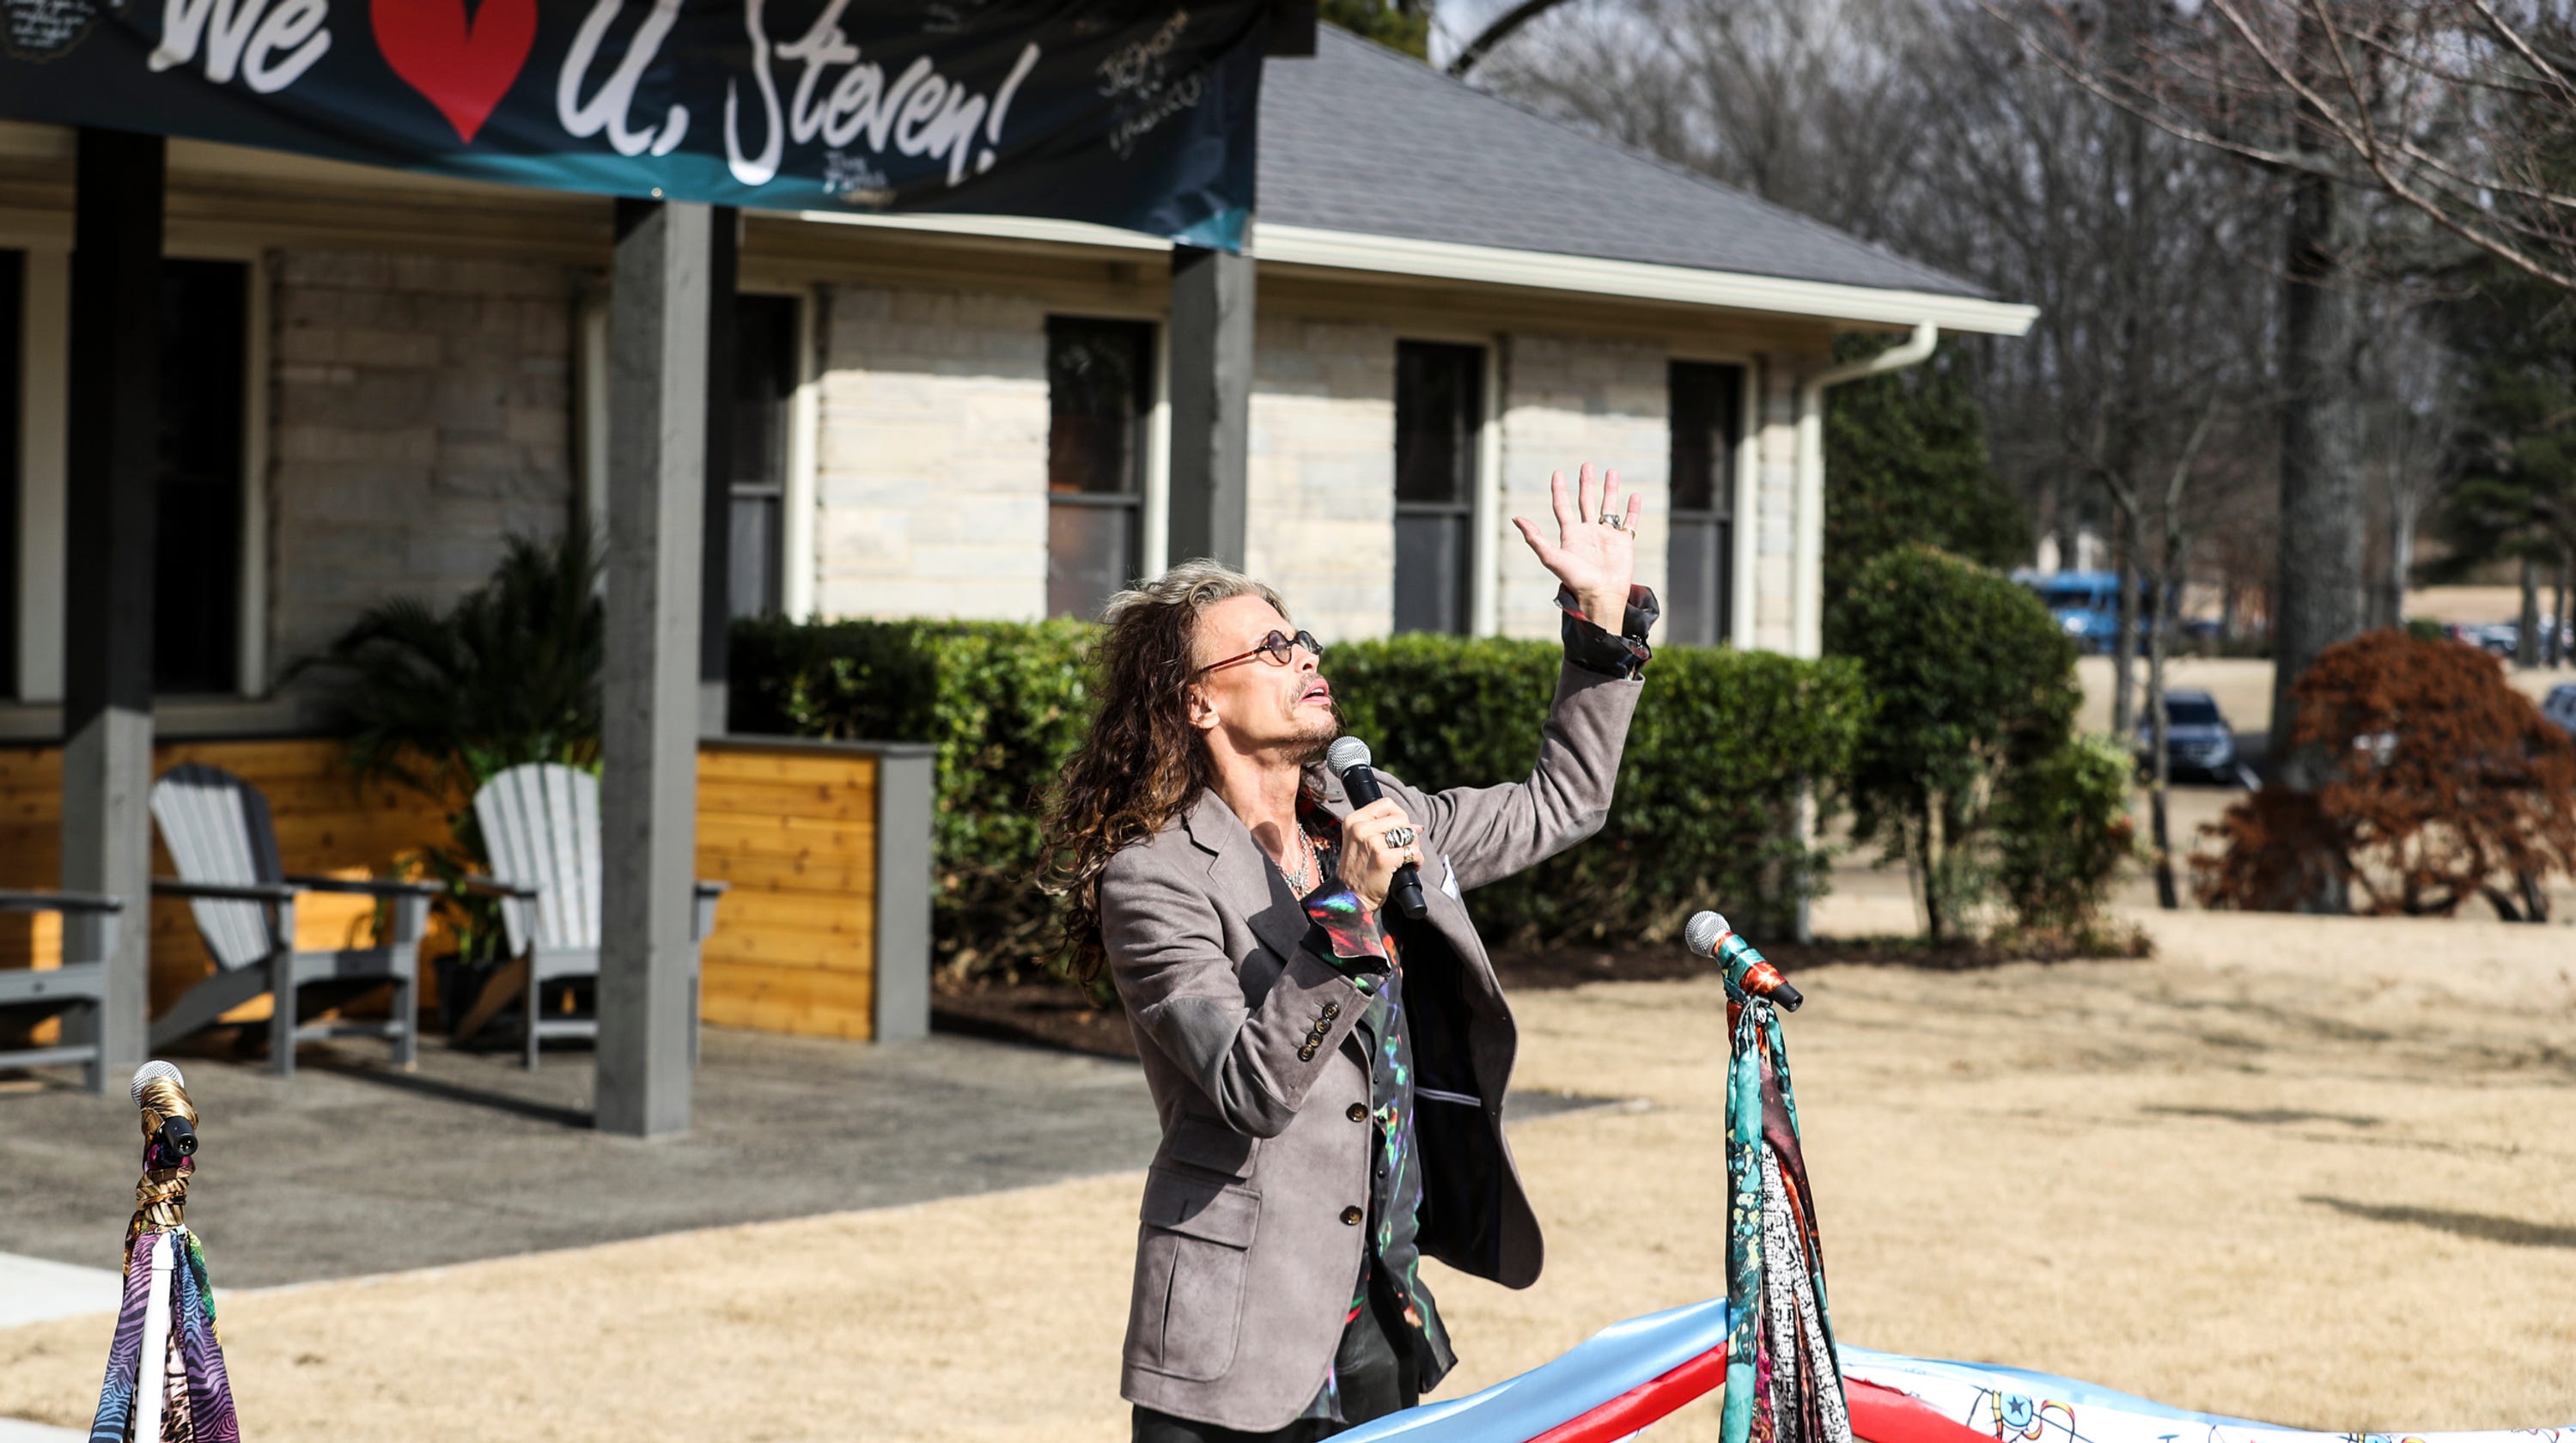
pixel 1783 1382
pixel 165 1370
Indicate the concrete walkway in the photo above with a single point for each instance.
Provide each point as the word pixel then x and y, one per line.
pixel 353 1168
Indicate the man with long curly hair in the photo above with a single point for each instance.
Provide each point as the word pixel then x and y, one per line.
pixel 1330 1077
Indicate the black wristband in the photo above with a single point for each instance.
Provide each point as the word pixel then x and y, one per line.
pixel 1590 646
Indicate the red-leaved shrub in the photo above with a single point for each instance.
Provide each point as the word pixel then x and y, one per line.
pixel 2443 785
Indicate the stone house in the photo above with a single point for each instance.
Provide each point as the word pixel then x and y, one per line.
pixel 374 378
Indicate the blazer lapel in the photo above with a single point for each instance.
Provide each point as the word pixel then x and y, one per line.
pixel 1243 879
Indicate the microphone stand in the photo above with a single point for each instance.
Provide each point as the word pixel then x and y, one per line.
pixel 165 1381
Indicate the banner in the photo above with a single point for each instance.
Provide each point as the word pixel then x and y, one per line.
pixel 1131 113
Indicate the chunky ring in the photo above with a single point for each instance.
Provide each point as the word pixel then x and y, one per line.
pixel 1615 521
pixel 1399 838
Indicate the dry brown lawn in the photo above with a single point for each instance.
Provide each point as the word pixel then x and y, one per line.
pixel 2317 1172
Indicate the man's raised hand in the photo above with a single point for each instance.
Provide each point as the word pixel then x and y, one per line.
pixel 1595 557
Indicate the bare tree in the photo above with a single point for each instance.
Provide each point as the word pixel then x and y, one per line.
pixel 2460 110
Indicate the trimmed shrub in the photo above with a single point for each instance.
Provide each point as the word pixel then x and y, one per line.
pixel 1969 680
pixel 1708 787
pixel 2062 829
pixel 1721 743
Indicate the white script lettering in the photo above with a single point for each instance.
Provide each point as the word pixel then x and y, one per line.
pixel 921 113
pixel 608 110
pixel 269 49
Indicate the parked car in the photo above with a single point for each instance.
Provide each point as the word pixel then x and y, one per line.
pixel 2559 707
pixel 2198 740
pixel 2504 638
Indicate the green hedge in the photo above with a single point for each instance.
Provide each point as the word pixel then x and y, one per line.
pixel 1707 787
pixel 1714 761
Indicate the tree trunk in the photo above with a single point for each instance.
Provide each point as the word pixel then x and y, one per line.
pixel 2124 640
pixel 2158 736
pixel 2401 558
pixel 2526 641
pixel 2317 601
pixel 2558 638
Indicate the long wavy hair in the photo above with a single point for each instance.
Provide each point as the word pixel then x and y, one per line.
pixel 1142 763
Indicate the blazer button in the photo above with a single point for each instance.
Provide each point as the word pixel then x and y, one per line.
pixel 1306 1053
pixel 1332 1010
pixel 1350 1217
pixel 1358 1112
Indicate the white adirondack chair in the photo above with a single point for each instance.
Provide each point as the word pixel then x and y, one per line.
pixel 540 823
pixel 217 829
pixel 89 938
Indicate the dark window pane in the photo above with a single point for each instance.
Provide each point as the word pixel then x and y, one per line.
pixel 1439 406
pixel 1696 584
pixel 1705 428
pixel 1099 392
pixel 764 378
pixel 13 281
pixel 1430 572
pixel 764 383
pixel 751 563
pixel 196 574
pixel 1707 422
pixel 1091 552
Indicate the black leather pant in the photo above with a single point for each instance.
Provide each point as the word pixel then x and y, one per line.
pixel 1377 1378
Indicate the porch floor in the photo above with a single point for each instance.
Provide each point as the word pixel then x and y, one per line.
pixel 355 1168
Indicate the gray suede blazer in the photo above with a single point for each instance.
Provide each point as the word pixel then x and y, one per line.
pixel 1249 1240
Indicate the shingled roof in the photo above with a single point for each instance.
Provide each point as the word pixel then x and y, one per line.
pixel 1365 140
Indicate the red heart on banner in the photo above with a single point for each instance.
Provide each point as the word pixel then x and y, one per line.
pixel 463 66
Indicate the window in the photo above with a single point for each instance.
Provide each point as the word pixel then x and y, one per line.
pixel 1439 411
pixel 197 526
pixel 764 384
pixel 1707 422
pixel 1099 396
pixel 13 286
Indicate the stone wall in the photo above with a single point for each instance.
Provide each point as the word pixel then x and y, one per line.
pixel 1775 503
pixel 932 464
pixel 422 415
pixel 1322 473
pixel 1568 400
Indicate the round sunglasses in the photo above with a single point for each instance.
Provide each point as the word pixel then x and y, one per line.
pixel 1277 648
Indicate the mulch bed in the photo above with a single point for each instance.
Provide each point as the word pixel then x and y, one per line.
pixel 1048 1013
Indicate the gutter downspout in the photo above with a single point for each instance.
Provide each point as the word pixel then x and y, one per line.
pixel 1807 544
pixel 1807 538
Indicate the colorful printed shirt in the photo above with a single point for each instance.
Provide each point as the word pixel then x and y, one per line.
pixel 1391 1264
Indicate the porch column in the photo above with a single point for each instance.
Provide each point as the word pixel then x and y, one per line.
pixel 1211 396
pixel 657 457
pixel 715 613
pixel 111 465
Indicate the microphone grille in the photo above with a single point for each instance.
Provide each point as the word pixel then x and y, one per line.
pixel 150 1071
pixel 1346 753
pixel 1703 932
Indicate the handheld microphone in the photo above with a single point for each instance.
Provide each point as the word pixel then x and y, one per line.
pixel 1708 934
pixel 1349 759
pixel 174 1135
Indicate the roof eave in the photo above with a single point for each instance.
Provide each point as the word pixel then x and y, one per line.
pixel 1636 280
pixel 1450 261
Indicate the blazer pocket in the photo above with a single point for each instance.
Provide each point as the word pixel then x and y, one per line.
pixel 1187 1317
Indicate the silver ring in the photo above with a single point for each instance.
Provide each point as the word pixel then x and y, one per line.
pixel 1615 521
pixel 1398 838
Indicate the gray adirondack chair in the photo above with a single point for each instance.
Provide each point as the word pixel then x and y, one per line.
pixel 540 823
pixel 217 829
pixel 80 983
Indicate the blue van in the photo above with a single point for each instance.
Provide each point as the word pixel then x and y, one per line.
pixel 2087 605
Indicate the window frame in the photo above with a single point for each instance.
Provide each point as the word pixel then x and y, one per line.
pixel 43 468
pixel 1478 601
pixel 1746 553
pixel 1148 503
pixel 1726 514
